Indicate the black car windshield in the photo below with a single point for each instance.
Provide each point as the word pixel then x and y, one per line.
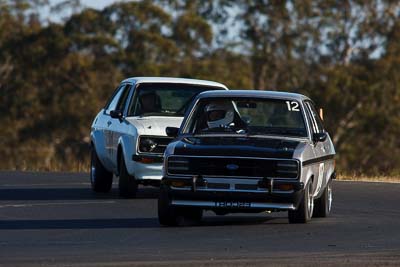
pixel 249 116
pixel 164 99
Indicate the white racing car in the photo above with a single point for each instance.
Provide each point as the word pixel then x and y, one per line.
pixel 128 136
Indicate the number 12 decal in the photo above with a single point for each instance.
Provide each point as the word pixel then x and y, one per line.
pixel 292 106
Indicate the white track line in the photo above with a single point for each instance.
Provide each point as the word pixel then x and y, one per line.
pixel 44 184
pixel 55 204
pixel 369 181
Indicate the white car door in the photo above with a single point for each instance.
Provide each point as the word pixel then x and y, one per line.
pixel 108 127
pixel 119 126
pixel 100 129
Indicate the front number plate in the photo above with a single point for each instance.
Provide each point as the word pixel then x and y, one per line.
pixel 233 204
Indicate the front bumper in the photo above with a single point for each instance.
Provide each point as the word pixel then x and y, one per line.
pixel 234 194
pixel 145 167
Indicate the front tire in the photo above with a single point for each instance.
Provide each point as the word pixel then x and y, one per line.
pixel 169 215
pixel 127 184
pixel 100 178
pixel 323 205
pixel 304 212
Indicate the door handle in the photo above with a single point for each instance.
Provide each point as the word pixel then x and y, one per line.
pixel 109 123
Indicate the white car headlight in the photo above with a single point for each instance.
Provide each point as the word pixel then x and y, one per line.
pixel 147 144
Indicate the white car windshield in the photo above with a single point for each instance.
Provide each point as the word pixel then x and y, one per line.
pixel 164 99
pixel 250 116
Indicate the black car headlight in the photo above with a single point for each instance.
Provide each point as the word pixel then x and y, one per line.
pixel 178 165
pixel 287 169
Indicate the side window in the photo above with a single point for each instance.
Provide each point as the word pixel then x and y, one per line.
pixel 316 120
pixel 133 105
pixel 122 99
pixel 112 104
pixel 118 99
pixel 310 119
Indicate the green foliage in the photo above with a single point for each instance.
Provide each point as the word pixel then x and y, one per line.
pixel 54 77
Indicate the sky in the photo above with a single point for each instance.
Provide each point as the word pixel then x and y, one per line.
pixel 98 4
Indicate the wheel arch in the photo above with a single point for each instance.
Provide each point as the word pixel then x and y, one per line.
pixel 98 143
pixel 119 152
pixel 329 175
pixel 126 148
pixel 307 174
pixel 312 180
pixel 330 172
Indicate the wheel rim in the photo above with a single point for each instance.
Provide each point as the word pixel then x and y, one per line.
pixel 330 197
pixel 310 201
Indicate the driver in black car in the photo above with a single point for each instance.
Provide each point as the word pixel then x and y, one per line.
pixel 222 116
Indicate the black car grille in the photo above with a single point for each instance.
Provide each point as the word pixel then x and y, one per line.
pixel 153 144
pixel 233 167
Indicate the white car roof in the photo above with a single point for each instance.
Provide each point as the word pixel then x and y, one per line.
pixel 173 80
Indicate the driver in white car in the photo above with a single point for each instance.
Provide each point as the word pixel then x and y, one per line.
pixel 149 103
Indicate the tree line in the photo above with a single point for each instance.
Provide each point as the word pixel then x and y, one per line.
pixel 55 76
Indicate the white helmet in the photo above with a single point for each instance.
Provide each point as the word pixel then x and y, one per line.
pixel 219 114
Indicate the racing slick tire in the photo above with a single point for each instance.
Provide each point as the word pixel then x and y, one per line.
pixel 305 209
pixel 169 215
pixel 100 178
pixel 127 184
pixel 323 205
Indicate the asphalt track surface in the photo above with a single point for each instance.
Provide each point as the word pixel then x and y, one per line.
pixel 51 219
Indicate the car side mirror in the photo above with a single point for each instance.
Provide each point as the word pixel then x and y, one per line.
pixel 319 137
pixel 116 114
pixel 172 131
